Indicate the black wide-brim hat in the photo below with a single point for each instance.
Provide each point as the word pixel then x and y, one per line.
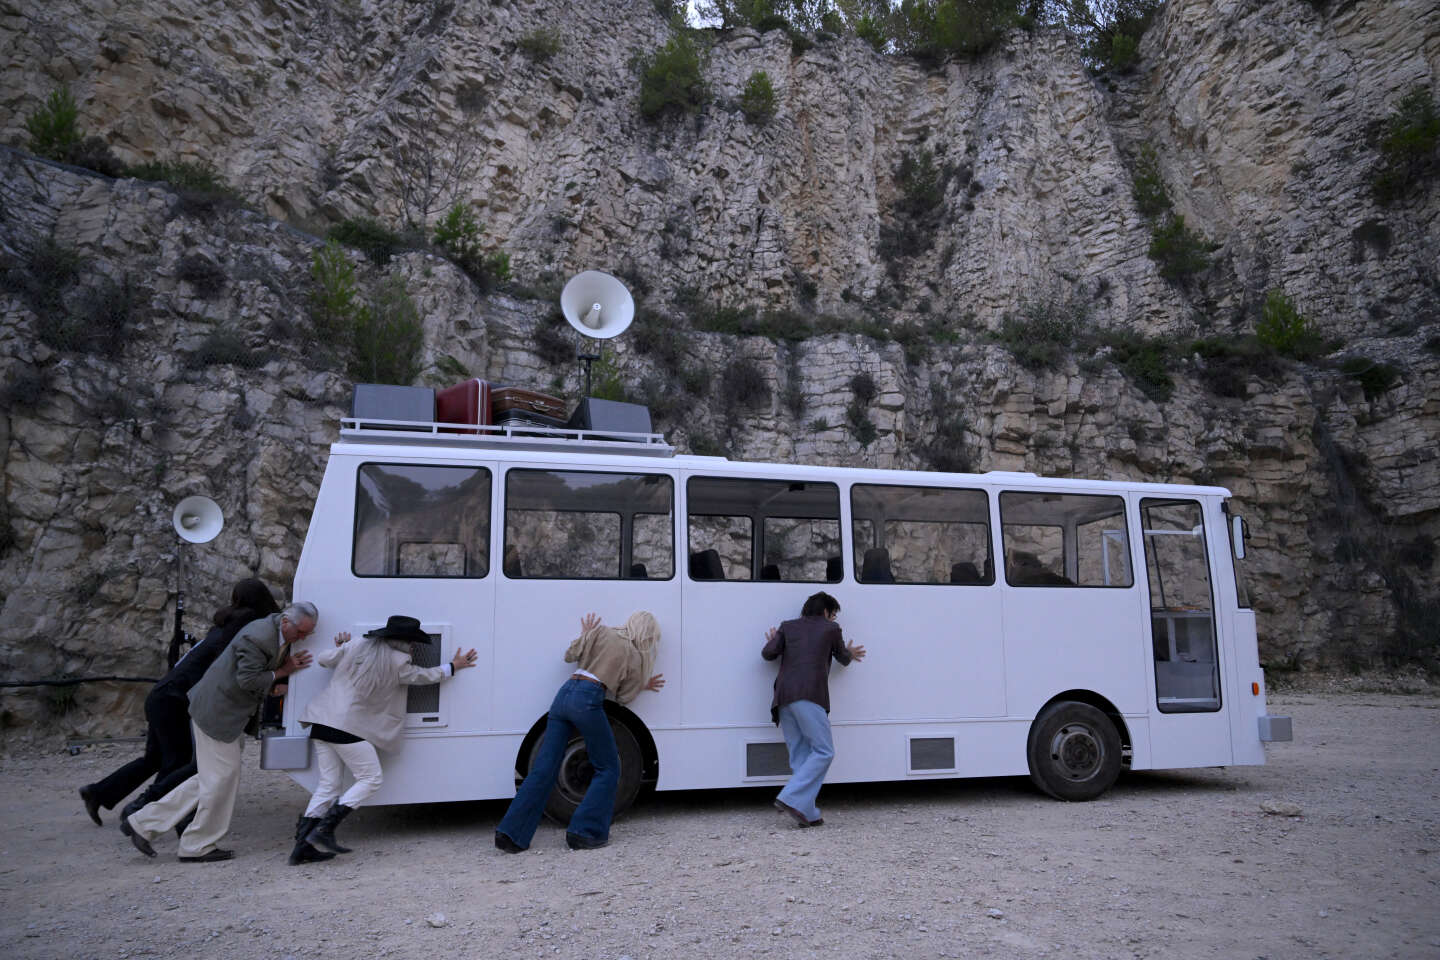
pixel 401 628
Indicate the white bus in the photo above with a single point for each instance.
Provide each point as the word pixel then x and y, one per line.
pixel 1068 629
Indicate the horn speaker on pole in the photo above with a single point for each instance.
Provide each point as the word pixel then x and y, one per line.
pixel 198 519
pixel 597 305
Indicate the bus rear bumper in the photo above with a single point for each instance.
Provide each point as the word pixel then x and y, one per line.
pixel 1274 728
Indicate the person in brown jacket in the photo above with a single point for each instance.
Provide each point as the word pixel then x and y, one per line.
pixel 801 705
pixel 608 661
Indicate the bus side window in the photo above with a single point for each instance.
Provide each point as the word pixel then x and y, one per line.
pixel 1065 540
pixel 413 520
pixel 930 535
pixel 763 530
pixel 588 525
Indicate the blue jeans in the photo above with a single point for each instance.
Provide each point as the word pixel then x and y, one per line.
pixel 807 736
pixel 580 705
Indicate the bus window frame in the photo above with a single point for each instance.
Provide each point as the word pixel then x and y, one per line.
pixel 620 576
pixel 489 528
pixel 986 522
pixel 757 530
pixel 1067 542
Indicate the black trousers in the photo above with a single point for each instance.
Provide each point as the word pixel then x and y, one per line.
pixel 168 749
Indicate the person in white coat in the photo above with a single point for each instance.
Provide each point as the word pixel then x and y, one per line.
pixel 361 709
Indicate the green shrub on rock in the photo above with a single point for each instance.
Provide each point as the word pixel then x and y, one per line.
pixel 1408 142
pixel 671 79
pixel 757 100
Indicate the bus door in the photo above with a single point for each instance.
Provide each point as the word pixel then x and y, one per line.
pixel 576 541
pixel 1188 726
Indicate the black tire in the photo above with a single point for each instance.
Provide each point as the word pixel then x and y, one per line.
pixel 575 773
pixel 1074 751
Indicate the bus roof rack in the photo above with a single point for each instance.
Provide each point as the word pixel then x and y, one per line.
pixel 514 437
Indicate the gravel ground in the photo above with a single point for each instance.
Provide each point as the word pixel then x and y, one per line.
pixel 1184 864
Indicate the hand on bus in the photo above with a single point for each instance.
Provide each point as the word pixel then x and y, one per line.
pixel 589 622
pixel 656 682
pixel 341 638
pixel 296 661
pixel 462 660
pixel 770 635
pixel 856 651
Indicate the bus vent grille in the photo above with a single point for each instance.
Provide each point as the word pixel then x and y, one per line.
pixel 424 699
pixel 932 753
pixel 766 760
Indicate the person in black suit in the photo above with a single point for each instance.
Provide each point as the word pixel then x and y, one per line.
pixel 169 751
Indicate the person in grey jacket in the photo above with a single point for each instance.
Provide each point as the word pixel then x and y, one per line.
pixel 360 709
pixel 801 705
pixel 222 706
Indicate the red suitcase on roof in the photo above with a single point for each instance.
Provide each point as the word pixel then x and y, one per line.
pixel 467 402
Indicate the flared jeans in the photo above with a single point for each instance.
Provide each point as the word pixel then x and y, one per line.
pixel 580 705
pixel 806 726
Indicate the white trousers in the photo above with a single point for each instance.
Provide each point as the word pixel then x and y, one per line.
pixel 210 793
pixel 334 758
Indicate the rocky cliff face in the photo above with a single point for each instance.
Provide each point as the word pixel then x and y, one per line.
pixel 1261 116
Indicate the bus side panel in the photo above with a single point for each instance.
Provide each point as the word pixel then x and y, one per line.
pixel 459 609
pixel 717 757
pixel 931 651
pixel 1074 638
pixel 1245 706
pixel 536 620
pixel 725 626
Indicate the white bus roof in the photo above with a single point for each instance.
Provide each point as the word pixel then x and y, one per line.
pixel 576 449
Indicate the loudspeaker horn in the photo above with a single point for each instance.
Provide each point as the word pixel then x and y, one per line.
pixel 597 305
pixel 198 519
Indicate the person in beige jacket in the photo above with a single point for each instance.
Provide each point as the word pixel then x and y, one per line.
pixel 361 709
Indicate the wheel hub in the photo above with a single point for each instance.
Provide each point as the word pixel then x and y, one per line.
pixel 1077 752
pixel 575 772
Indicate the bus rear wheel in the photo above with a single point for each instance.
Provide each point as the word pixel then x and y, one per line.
pixel 575 773
pixel 1074 751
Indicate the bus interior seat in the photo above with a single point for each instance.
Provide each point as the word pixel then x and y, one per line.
pixel 834 569
pixel 510 563
pixel 1027 570
pixel 637 572
pixel 705 565
pixel 964 572
pixel 771 571
pixel 876 566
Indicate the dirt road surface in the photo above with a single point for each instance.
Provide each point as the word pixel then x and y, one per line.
pixel 1181 864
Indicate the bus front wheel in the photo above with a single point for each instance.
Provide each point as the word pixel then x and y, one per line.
pixel 575 773
pixel 1074 751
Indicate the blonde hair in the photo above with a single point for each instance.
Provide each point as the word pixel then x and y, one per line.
pixel 642 632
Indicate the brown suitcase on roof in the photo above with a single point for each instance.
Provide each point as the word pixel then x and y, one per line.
pixel 505 399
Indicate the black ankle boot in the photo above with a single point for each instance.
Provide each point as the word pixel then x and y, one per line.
pixel 303 852
pixel 323 834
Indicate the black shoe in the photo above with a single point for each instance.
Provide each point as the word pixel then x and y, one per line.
pixel 503 842
pixel 304 853
pixel 322 835
pixel 92 803
pixel 576 842
pixel 784 807
pixel 140 842
pixel 817 822
pixel 211 857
